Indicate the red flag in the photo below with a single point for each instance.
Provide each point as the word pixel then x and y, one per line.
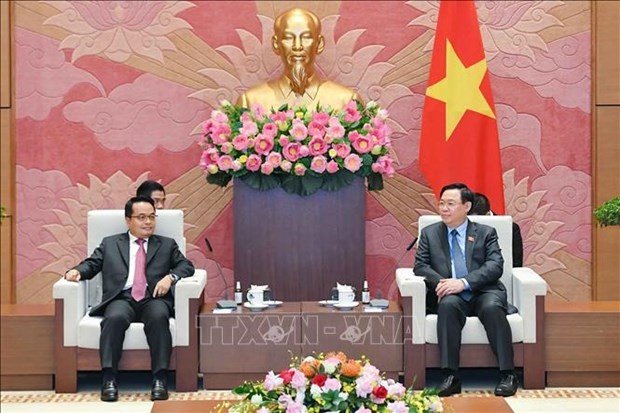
pixel 459 140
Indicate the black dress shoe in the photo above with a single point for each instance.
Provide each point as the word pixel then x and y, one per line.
pixel 159 390
pixel 109 391
pixel 507 386
pixel 450 385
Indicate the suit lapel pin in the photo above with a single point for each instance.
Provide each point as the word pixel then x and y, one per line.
pixel 471 239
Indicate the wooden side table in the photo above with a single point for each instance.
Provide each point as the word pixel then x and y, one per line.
pixel 378 336
pixel 27 347
pixel 245 345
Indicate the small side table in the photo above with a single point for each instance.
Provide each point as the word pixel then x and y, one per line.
pixel 27 347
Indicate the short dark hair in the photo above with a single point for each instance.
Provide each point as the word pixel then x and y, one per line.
pixel 135 200
pixel 466 194
pixel 481 205
pixel 146 188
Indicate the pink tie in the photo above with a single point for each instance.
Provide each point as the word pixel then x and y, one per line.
pixel 138 289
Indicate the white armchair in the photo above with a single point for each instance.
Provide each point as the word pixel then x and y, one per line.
pixel 77 333
pixel 526 290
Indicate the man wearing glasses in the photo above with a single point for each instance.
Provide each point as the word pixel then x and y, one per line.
pixel 462 263
pixel 138 269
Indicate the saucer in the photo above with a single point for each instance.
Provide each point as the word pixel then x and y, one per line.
pixel 328 303
pixel 379 303
pixel 346 306
pixel 273 303
pixel 255 307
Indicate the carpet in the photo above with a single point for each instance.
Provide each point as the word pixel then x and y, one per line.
pixel 51 397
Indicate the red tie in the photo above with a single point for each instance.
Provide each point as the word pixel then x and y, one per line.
pixel 138 289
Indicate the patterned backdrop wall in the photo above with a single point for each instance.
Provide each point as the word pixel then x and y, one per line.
pixel 112 93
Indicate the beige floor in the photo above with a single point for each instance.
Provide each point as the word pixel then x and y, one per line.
pixel 605 400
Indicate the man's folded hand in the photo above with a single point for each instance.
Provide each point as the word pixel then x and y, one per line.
pixel 448 286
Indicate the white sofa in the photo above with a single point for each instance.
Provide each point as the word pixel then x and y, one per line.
pixel 77 333
pixel 526 291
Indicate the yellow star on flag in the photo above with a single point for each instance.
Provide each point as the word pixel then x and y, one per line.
pixel 460 89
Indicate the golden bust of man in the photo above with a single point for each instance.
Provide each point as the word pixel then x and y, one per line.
pixel 297 40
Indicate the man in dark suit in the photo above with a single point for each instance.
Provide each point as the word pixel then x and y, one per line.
pixel 482 206
pixel 153 190
pixel 138 270
pixel 462 263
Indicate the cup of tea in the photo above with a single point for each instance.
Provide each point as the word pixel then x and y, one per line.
pixel 256 297
pixel 346 293
pixel 346 296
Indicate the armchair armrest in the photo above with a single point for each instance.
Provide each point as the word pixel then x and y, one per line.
pixel 186 289
pixel 527 284
pixel 73 296
pixel 409 285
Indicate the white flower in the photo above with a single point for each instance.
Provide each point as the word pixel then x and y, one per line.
pixel 315 391
pixel 343 395
pixel 257 399
pixel 371 104
pixel 330 366
pixel 395 389
pixel 398 407
pixel 272 381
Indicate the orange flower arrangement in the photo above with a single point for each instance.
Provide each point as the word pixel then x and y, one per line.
pixel 331 383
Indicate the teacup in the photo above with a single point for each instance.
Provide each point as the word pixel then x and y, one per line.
pixel 256 297
pixel 346 296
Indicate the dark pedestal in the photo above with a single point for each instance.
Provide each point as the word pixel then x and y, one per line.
pixel 300 246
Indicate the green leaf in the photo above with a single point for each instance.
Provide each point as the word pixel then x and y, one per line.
pixel 245 388
pixel 333 182
pixel 261 182
pixel 220 178
pixel 239 173
pixel 302 185
pixel 283 108
pixel 375 182
pixel 365 170
pixel 367 159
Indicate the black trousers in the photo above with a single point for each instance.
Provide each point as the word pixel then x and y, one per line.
pixel 119 314
pixel 491 309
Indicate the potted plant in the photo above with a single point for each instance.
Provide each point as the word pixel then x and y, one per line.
pixel 606 258
pixel 608 213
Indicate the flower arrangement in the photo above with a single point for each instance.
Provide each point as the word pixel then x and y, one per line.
pixel 298 149
pixel 332 383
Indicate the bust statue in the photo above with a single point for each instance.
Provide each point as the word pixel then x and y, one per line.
pixel 297 40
